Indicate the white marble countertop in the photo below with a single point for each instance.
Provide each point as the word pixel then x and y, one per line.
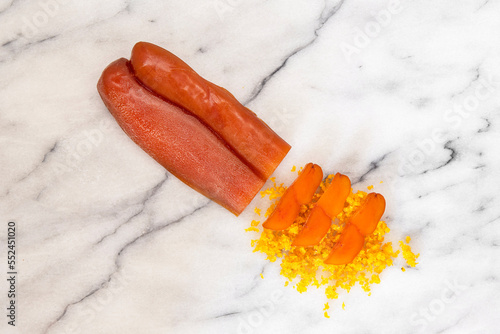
pixel 108 242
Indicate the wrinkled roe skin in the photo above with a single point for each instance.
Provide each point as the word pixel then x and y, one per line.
pixel 255 143
pixel 191 144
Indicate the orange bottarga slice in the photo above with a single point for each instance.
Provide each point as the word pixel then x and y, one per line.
pixel 316 227
pixel 299 193
pixel 307 183
pixel 368 216
pixel 362 223
pixel 333 199
pixel 285 213
pixel 347 247
pixel 327 208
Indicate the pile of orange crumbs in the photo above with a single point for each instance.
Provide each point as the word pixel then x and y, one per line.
pixel 305 265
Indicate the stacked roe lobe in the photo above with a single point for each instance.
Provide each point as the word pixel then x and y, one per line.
pixel 194 128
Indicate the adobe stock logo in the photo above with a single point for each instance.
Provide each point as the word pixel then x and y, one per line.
pixel 371 30
pixel 257 317
pixel 84 147
pixel 47 10
pixel 84 314
pixel 222 7
pixel 281 119
pixel 454 117
pixel 438 305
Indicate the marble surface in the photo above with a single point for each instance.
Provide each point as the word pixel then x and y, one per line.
pixel 108 242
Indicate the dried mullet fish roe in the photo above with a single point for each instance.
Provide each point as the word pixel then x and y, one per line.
pixel 305 265
pixel 409 256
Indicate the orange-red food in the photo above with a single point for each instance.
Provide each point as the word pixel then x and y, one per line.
pixel 327 208
pixel 333 199
pixel 299 193
pixel 347 247
pixel 368 216
pixel 317 225
pixel 195 129
pixel 251 139
pixel 360 225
